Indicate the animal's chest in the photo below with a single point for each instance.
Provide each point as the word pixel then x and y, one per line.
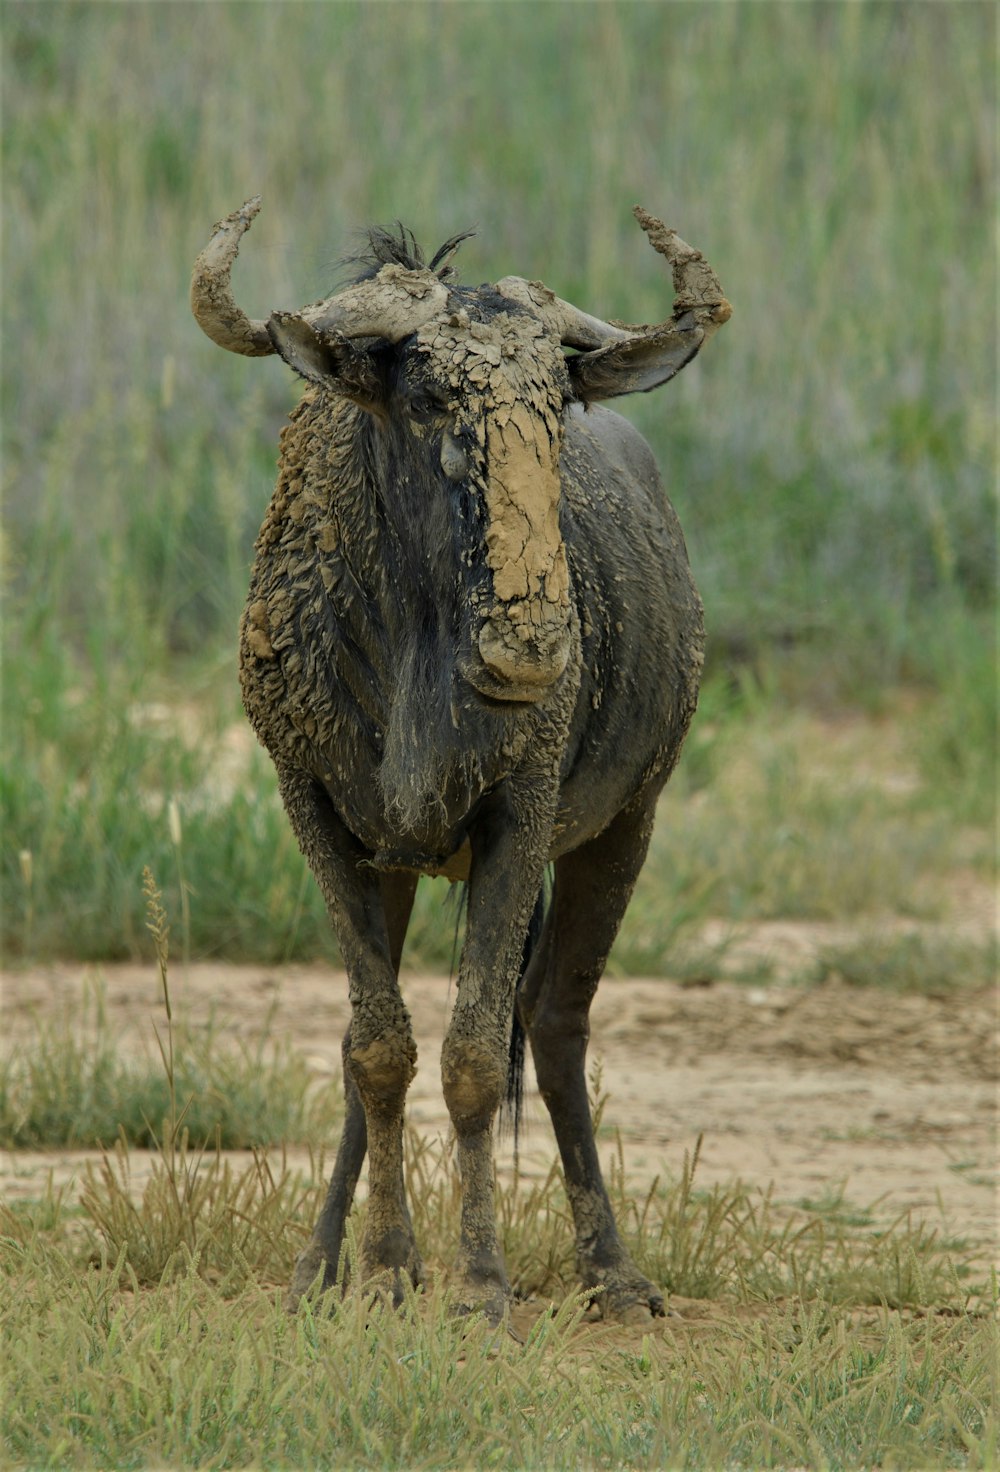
pixel 337 683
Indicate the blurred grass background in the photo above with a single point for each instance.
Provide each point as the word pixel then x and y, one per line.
pixel 832 457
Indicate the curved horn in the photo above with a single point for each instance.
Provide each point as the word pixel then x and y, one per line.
pixel 390 306
pixel 575 329
pixel 696 286
pixel 212 301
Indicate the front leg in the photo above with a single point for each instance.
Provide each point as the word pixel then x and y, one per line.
pixel 380 1052
pixel 324 1247
pixel 509 844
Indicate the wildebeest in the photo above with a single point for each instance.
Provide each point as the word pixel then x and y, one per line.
pixel 472 647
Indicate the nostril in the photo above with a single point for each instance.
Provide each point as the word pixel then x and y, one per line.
pixel 454 460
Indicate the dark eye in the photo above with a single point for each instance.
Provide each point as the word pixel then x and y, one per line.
pixel 425 406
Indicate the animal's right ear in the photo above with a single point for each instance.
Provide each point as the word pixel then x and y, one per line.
pixel 328 359
pixel 636 365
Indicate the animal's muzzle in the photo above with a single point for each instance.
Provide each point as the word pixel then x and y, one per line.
pixel 517 668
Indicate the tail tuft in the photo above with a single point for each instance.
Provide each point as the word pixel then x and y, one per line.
pixel 512 1107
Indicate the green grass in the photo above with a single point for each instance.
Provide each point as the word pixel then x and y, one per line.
pixel 70 1086
pixel 145 1334
pixel 775 813
pixel 772 813
pixel 146 1330
pixel 831 458
pixel 114 1376
pixel 935 965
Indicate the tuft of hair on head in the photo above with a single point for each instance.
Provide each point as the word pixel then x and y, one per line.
pixel 441 260
pixel 398 247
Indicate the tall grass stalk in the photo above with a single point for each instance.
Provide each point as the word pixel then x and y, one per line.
pixel 159 929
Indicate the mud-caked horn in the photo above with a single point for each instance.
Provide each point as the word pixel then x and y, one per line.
pixel 697 289
pixel 616 358
pixel 212 300
pixel 573 328
pixel 389 306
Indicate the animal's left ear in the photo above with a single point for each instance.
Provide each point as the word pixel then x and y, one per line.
pixel 634 365
pixel 326 358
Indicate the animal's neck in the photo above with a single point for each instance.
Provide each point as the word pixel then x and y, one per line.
pixel 399 596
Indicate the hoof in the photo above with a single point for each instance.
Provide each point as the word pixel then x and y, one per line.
pixel 634 1314
pixel 389 1263
pixel 309 1264
pixel 629 1299
pixel 482 1293
pixel 494 1311
pixel 314 1276
pixel 497 1320
pixel 393 1286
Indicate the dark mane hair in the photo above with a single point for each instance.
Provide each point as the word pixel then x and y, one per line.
pixel 399 247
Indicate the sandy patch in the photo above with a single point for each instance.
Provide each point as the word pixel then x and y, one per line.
pixel 808 1090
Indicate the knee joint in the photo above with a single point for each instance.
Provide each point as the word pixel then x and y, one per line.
pixel 382 1069
pixel 473 1080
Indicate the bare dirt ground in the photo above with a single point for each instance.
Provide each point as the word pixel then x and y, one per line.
pixel 813 1091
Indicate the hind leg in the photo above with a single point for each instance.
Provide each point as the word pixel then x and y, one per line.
pixel 324 1246
pixel 593 886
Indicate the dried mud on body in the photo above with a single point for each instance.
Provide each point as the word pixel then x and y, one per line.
pixel 815 1092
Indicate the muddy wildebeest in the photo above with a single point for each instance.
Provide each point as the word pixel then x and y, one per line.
pixel 472 647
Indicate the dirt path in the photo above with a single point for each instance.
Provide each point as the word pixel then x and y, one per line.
pixel 814 1090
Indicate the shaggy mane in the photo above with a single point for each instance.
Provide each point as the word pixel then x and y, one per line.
pixel 398 247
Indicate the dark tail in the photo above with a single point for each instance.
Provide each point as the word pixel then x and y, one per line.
pixel 513 1104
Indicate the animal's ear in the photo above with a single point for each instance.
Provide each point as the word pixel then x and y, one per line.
pixel 635 365
pixel 326 358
